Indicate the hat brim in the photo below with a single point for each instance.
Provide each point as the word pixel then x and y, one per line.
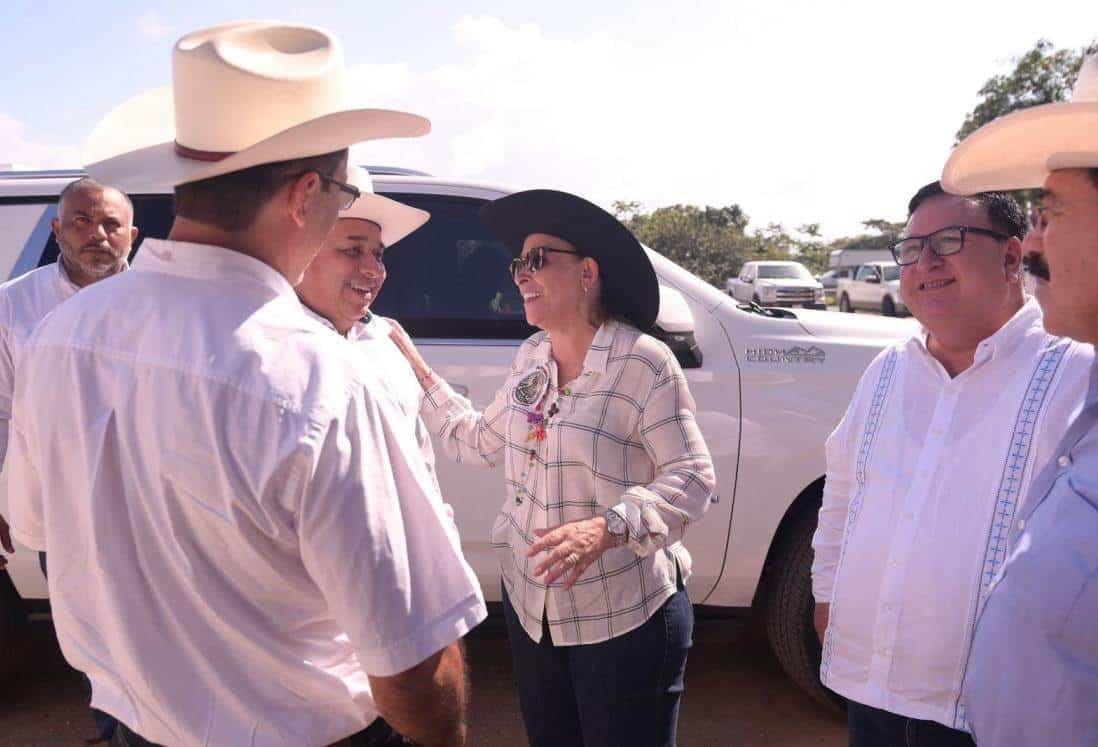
pixel 133 147
pixel 630 286
pixel 1019 150
pixel 396 219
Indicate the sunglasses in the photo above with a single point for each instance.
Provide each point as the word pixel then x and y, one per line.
pixel 534 260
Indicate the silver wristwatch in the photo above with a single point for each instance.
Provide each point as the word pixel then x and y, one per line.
pixel 617 527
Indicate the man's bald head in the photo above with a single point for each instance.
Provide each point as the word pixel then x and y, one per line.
pixel 94 230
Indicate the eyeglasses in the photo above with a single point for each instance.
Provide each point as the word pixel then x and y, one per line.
pixel 943 242
pixel 350 192
pixel 534 260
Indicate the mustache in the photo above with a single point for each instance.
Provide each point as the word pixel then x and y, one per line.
pixel 1036 265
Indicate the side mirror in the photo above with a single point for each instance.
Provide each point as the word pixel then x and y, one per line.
pixel 675 328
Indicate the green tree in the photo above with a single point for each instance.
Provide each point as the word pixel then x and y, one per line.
pixel 1040 76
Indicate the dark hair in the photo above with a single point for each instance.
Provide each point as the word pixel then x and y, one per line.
pixel 1003 210
pixel 232 202
pixel 1093 176
pixel 86 183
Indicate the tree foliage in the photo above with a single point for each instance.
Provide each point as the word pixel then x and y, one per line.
pixel 1040 76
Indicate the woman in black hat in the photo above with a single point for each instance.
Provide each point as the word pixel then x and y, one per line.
pixel 604 468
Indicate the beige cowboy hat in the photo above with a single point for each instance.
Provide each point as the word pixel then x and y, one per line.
pixel 242 94
pixel 396 219
pixel 1020 149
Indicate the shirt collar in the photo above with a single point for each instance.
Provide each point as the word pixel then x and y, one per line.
pixel 1004 340
pixel 208 262
pixel 356 332
pixel 598 354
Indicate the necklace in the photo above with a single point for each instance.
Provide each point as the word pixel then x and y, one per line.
pixel 537 433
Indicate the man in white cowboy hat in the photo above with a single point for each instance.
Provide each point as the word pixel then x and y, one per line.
pixel 927 465
pixel 1032 676
pixel 344 280
pixel 244 547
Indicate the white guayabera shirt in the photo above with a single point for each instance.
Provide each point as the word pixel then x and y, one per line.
pixel 623 436
pixel 925 475
pixel 24 302
pixel 239 531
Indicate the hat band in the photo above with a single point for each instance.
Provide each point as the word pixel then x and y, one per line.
pixel 201 155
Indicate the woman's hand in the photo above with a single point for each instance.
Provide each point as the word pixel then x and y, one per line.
pixel 570 548
pixel 408 348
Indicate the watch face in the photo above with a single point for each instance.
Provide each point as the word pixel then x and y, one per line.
pixel 615 523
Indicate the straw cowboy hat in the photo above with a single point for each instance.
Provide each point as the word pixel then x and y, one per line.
pixel 396 219
pixel 629 284
pixel 242 94
pixel 1020 149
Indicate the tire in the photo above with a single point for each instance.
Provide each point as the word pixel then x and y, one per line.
pixel 888 306
pixel 844 304
pixel 788 606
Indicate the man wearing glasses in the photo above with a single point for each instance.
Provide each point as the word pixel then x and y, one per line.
pixel 928 467
pixel 1032 675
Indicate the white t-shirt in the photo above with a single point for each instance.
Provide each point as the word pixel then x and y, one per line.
pixel 238 530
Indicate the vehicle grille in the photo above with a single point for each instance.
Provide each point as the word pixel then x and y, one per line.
pixel 796 294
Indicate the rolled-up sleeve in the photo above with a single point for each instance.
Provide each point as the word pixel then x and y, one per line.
pixel 683 487
pixel 378 546
pixel 466 435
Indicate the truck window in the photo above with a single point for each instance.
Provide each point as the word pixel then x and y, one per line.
pixel 864 271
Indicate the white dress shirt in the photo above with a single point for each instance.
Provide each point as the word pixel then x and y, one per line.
pixel 924 477
pixel 24 302
pixel 238 531
pixel 622 436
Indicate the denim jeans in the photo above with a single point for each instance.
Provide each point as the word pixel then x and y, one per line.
pixel 624 691
pixel 872 727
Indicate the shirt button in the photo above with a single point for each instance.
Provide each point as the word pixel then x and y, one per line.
pixel 1021 524
pixel 1063 461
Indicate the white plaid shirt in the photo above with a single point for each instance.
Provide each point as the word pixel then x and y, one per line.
pixel 624 438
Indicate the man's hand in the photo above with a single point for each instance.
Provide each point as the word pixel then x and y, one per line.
pixel 427 703
pixel 5 541
pixel 820 617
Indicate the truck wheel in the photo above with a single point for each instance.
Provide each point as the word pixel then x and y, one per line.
pixel 888 306
pixel 788 607
pixel 844 304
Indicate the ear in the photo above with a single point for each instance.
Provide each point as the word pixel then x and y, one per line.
pixel 590 271
pixel 133 234
pixel 55 226
pixel 300 194
pixel 1012 259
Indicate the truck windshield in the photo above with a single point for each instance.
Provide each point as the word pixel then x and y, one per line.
pixel 795 272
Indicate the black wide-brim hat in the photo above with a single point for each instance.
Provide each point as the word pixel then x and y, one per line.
pixel 629 285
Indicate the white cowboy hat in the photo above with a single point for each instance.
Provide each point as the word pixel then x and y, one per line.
pixel 396 219
pixel 242 94
pixel 1020 149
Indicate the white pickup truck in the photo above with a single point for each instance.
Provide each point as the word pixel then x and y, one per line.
pixel 875 286
pixel 776 283
pixel 770 385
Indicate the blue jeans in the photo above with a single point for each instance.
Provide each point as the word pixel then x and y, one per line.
pixel 872 727
pixel 624 691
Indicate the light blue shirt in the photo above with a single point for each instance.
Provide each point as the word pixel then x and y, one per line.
pixel 1033 669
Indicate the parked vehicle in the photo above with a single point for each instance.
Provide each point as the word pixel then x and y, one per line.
pixel 776 283
pixel 770 385
pixel 830 282
pixel 876 286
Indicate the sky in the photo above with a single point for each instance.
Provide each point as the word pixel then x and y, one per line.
pixel 800 112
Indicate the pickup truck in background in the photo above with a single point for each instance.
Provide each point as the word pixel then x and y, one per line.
pixel 776 283
pixel 770 385
pixel 875 286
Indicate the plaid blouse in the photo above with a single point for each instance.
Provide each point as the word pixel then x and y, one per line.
pixel 621 435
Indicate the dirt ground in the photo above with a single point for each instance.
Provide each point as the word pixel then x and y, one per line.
pixel 736 694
